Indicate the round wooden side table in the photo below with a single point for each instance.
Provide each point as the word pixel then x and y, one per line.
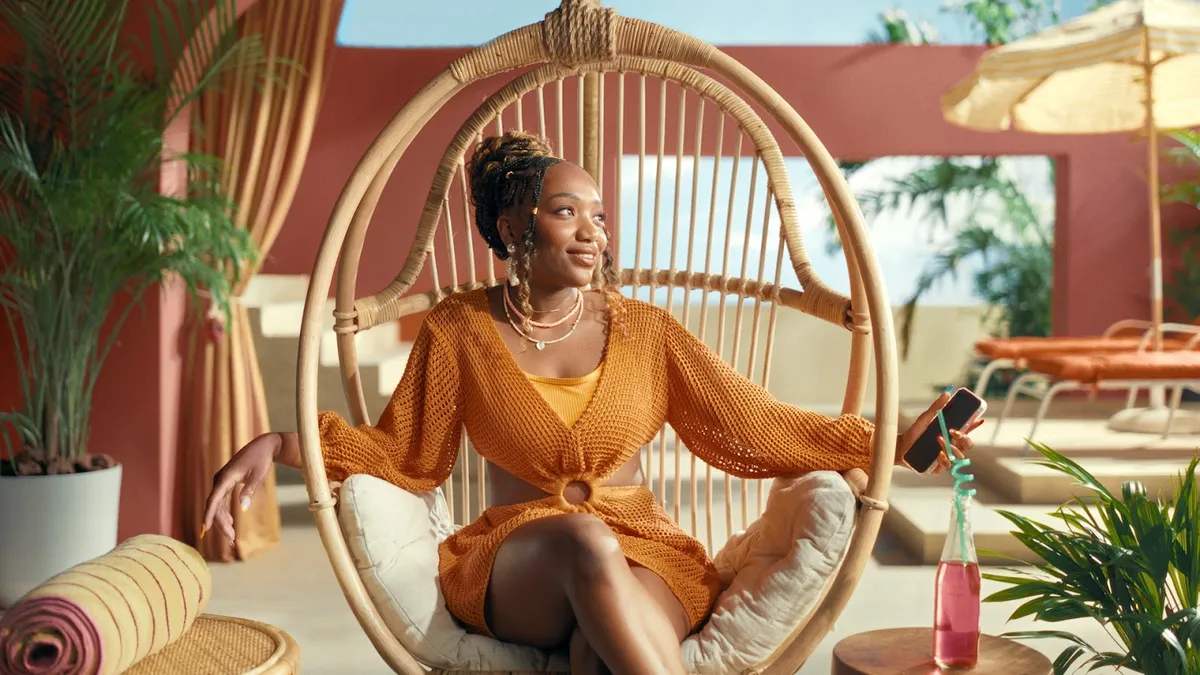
pixel 905 651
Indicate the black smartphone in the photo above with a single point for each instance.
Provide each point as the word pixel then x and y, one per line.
pixel 963 408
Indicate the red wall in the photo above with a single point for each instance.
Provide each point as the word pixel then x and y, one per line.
pixel 863 102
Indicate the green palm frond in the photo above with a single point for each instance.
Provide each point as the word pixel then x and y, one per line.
pixel 1130 562
pixel 990 219
pixel 928 191
pixel 1182 288
pixel 82 218
pixel 896 28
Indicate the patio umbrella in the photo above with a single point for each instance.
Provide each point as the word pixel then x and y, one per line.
pixel 1133 64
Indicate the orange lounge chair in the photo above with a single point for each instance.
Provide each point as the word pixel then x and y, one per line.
pixel 1176 369
pixel 1126 336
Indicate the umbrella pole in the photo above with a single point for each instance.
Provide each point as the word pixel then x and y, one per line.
pixel 1156 266
pixel 1155 418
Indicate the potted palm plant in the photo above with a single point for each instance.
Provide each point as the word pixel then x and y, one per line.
pixel 1130 562
pixel 83 222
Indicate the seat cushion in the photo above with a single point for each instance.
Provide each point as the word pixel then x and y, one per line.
pixel 1033 347
pixel 393 537
pixel 773 574
pixel 1184 366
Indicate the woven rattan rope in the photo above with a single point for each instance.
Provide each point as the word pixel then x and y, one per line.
pixel 389 304
pixel 580 32
pixel 526 47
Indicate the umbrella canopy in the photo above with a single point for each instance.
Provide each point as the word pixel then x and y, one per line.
pixel 1088 75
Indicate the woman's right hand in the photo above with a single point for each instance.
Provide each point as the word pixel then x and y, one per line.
pixel 244 473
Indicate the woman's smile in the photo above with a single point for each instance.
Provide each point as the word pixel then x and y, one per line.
pixel 583 256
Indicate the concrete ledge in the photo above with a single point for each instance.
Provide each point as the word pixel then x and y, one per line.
pixel 1023 481
pixel 920 519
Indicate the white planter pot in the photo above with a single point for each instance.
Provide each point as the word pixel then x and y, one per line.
pixel 51 523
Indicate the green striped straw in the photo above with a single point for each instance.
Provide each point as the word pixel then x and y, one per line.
pixel 961 494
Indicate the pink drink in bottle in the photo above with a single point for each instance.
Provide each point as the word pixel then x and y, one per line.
pixel 956 597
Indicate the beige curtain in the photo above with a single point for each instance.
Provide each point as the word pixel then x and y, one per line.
pixel 261 131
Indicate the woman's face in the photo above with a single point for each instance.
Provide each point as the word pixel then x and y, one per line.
pixel 570 235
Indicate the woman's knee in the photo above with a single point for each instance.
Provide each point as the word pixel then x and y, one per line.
pixel 585 544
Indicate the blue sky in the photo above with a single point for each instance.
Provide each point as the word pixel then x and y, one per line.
pixel 420 23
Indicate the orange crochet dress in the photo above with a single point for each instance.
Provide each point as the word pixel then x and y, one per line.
pixel 461 374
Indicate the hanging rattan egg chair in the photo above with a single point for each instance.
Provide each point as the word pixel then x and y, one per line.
pixel 382 541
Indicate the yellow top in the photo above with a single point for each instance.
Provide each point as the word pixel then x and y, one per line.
pixel 568 397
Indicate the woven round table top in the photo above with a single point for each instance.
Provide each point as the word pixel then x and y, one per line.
pixel 225 645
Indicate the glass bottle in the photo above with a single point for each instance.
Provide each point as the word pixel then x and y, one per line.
pixel 956 600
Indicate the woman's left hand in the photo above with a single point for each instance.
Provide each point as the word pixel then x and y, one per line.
pixel 960 440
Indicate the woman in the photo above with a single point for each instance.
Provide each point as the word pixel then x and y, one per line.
pixel 559 381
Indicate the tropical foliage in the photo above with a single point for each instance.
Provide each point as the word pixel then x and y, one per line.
pixel 897 28
pixel 1002 230
pixel 1182 289
pixel 1129 561
pixel 995 224
pixel 83 223
pixel 997 22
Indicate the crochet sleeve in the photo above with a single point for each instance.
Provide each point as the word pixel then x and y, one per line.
pixel 415 443
pixel 739 428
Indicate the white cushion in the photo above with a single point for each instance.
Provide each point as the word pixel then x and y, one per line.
pixel 393 537
pixel 773 575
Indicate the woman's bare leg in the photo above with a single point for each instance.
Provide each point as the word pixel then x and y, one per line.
pixel 585 660
pixel 558 572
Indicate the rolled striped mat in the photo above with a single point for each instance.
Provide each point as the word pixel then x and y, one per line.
pixel 104 615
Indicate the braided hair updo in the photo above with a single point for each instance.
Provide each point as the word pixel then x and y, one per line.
pixel 506 171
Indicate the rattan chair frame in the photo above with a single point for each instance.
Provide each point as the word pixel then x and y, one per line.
pixel 577 38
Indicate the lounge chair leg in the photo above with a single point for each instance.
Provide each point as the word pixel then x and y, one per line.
pixel 1131 400
pixel 985 377
pixel 1045 405
pixel 1009 399
pixel 1176 401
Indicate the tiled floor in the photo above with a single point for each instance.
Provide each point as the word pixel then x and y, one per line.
pixel 293 587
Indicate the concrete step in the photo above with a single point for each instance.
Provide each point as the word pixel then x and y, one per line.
pixel 1010 467
pixel 265 289
pixel 1022 481
pixel 919 516
pixel 276 306
pixel 283 321
pixel 1007 477
pixel 380 372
